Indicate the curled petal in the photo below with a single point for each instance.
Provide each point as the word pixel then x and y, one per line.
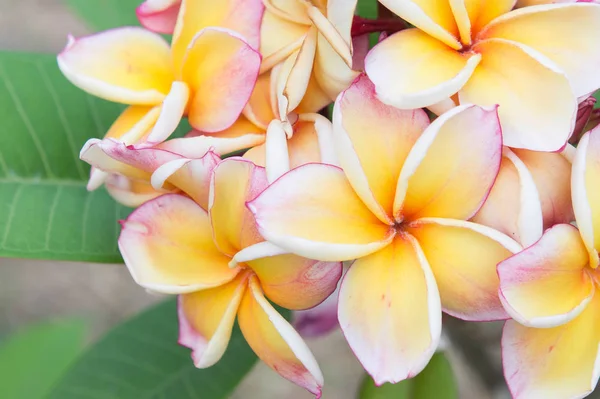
pixel 158 16
pixel 94 153
pixel 313 211
pixel 294 282
pixel 439 178
pixel 128 192
pixel 547 285
pixel 433 17
pixel 372 141
pixel 259 109
pixel 394 326
pixel 473 15
pixel 234 182
pixel 565 33
pixel 586 192
pixel 168 247
pixel 192 176
pixel 463 257
pixel 434 72
pixel 171 112
pixel 134 123
pixel 220 68
pixel 242 16
pixel 340 44
pixel 276 342
pixel 128 65
pixel 206 319
pixel 514 206
pixel 279 38
pixel 537 106
pixel 553 363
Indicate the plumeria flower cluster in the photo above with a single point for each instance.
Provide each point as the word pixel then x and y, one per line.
pixel 479 206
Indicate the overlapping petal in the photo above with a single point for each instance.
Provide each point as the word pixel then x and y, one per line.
pixel 167 245
pixel 472 15
pixel 553 363
pixel 565 33
pixel 440 177
pixel 372 141
pixel 221 68
pixel 276 342
pixel 389 311
pixel 537 104
pixel 206 319
pixel 314 212
pixel 159 16
pixel 128 65
pixel 547 285
pixel 463 257
pixel 129 192
pixel 234 182
pixel 586 192
pixel 434 73
pixel 279 37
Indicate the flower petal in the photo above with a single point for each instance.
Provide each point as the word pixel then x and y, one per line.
pixel 394 326
pixel 220 68
pixel 341 44
pixel 94 153
pixel 434 72
pixel 537 105
pixel 463 257
pixel 565 33
pixel 433 17
pixel 586 193
pixel 131 193
pixel 553 363
pixel 128 65
pixel 234 182
pixel 158 16
pixel 473 15
pixel 314 212
pixel 133 123
pixel 294 282
pixel 279 38
pixel 514 206
pixel 373 141
pixel 439 178
pixel 206 319
pixel 319 320
pixel 168 247
pixel 276 342
pixel 546 285
pixel 331 72
pixel 192 176
pixel 259 109
pixel 242 16
pixel 172 110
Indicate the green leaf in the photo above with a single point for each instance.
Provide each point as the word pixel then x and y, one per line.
pixel 597 95
pixel 141 359
pixel 106 14
pixel 33 359
pixel 436 381
pixel 45 209
pixel 367 8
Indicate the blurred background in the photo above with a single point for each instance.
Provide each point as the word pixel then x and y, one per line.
pixel 100 296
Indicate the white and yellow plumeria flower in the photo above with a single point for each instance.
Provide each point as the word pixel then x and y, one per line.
pixel 399 205
pixel 311 41
pixel 212 254
pixel 552 290
pixel 535 62
pixel 208 73
pixel 531 193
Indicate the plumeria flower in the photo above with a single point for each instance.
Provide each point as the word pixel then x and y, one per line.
pixel 134 66
pixel 399 205
pixel 159 16
pixel 531 193
pixel 535 62
pixel 551 289
pixel 310 41
pixel 224 269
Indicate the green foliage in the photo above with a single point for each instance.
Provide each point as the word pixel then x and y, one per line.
pixel 33 359
pixel 106 14
pixel 141 359
pixel 597 95
pixel 435 382
pixel 367 8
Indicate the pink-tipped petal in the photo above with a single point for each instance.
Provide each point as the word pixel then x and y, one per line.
pixel 159 16
pixel 547 285
pixel 440 178
pixel 372 141
pixel 94 153
pixel 276 342
pixel 313 211
pixel 389 311
pixel 319 320
pixel 463 257
pixel 168 247
pixel 128 65
pixel 220 68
